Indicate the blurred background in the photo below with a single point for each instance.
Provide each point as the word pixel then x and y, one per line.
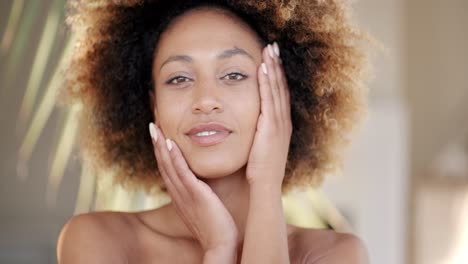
pixel 404 189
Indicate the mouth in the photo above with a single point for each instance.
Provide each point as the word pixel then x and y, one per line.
pixel 208 134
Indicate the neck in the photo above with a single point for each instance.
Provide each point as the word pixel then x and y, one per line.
pixel 232 190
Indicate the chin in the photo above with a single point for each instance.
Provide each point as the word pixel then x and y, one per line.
pixel 212 169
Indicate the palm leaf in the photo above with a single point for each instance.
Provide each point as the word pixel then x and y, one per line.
pixel 43 52
pixel 12 25
pixel 20 39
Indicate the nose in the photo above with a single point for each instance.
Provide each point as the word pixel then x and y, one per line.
pixel 206 99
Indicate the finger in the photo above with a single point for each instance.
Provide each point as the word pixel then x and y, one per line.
pixel 266 97
pixel 165 161
pixel 268 56
pixel 167 181
pixel 186 176
pixel 282 84
pixel 154 139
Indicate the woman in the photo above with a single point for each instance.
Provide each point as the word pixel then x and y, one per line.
pixel 244 99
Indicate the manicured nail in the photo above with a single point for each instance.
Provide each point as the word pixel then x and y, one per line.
pixel 169 144
pixel 270 50
pixel 276 49
pixel 264 68
pixel 153 132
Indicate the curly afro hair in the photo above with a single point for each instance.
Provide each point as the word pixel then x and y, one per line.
pixel 110 76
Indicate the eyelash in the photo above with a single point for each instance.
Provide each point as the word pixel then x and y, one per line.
pixel 243 76
pixel 171 81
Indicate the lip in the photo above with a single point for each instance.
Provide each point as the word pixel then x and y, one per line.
pixel 204 141
pixel 208 127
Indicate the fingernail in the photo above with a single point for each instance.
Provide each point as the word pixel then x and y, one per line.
pixel 169 144
pixel 264 68
pixel 153 132
pixel 270 50
pixel 276 49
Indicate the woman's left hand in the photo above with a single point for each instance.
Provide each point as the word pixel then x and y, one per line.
pixel 269 152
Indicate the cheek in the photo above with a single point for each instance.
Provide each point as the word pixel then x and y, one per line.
pixel 247 111
pixel 250 108
pixel 168 116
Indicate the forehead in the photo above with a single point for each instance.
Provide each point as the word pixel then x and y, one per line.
pixel 207 27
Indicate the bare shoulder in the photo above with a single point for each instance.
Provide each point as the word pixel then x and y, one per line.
pixel 94 238
pixel 318 246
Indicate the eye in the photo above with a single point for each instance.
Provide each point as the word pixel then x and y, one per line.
pixel 234 76
pixel 177 80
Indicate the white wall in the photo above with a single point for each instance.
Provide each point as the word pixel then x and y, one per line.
pixel 373 192
pixel 437 53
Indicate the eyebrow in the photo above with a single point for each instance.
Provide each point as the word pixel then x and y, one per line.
pixel 233 52
pixel 223 55
pixel 183 58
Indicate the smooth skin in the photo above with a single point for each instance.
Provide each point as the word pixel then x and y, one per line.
pixel 226 198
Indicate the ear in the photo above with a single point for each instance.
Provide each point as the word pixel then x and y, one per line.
pixel 154 110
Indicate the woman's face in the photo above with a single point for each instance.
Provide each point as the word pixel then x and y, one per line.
pixel 205 72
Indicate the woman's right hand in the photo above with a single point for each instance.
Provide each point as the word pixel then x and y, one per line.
pixel 195 202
